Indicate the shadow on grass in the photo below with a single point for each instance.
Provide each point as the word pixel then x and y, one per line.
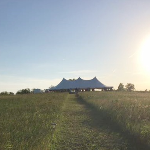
pixel 101 119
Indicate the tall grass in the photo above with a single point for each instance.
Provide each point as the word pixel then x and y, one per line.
pixel 130 111
pixel 26 120
pixel 82 127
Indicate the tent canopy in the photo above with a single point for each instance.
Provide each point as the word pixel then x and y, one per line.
pixel 80 84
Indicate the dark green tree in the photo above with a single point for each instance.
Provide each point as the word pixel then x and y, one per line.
pixel 72 79
pixel 24 91
pixel 121 87
pixel 130 87
pixel 11 93
pixel 4 93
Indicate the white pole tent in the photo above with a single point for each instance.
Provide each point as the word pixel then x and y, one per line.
pixel 80 84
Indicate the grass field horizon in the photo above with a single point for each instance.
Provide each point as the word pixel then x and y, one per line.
pixel 93 120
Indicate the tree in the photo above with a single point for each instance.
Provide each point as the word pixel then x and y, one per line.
pixel 4 93
pixel 72 79
pixel 130 87
pixel 121 87
pixel 24 91
pixel 11 93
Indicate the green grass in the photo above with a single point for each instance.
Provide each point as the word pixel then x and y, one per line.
pixel 83 127
pixel 25 120
pixel 128 111
pixel 93 120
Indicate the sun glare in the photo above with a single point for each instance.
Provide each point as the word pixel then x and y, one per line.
pixel 145 55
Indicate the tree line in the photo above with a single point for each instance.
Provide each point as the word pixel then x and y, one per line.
pixel 22 91
pixel 6 93
pixel 129 87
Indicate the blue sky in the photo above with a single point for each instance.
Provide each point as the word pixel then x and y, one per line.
pixel 43 41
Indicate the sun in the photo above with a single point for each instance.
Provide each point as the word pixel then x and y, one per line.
pixel 145 54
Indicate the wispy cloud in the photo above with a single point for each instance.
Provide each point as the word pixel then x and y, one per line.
pixel 133 54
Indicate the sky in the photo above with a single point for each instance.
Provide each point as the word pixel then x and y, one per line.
pixel 43 41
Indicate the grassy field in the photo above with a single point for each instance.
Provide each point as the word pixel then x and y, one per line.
pixel 127 111
pixel 83 127
pixel 26 120
pixel 93 120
